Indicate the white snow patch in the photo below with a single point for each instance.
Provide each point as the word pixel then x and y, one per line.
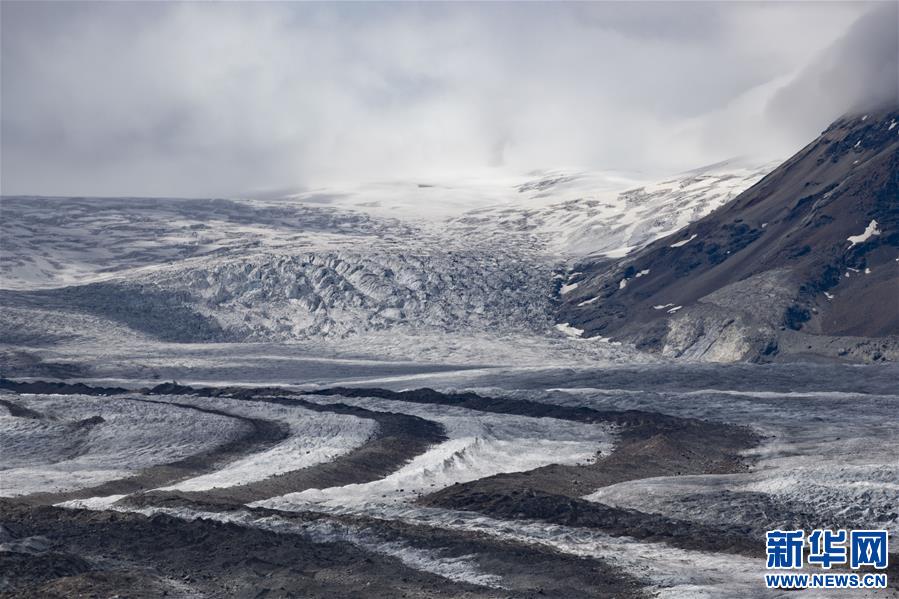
pixel 642 273
pixel 589 301
pixel 684 242
pixel 92 503
pixel 674 309
pixel 870 231
pixel 662 306
pixel 622 284
pixel 569 330
pixel 568 288
pixel 617 252
pixel 828 295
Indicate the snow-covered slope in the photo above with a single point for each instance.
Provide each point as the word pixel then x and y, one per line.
pixel 479 445
pixel 447 197
pixel 339 264
pixel 580 221
pixel 80 441
pixel 315 438
pixel 51 242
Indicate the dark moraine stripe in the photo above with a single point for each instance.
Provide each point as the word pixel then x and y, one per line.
pixel 398 439
pixel 260 434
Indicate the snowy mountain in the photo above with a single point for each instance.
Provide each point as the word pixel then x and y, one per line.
pixel 417 396
pixel 805 261
pixel 302 269
pixel 52 242
pixel 577 222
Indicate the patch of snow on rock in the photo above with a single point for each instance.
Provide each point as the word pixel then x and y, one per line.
pixel 684 242
pixel 870 231
pixel 569 330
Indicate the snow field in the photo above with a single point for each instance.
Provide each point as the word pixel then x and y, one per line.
pixel 479 445
pixel 71 448
pixel 839 465
pixel 315 438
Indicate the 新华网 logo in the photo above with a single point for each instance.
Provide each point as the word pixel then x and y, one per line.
pixel 826 548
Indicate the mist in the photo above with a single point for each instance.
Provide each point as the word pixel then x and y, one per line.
pixel 218 99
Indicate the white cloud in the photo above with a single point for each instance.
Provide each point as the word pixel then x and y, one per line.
pixel 219 98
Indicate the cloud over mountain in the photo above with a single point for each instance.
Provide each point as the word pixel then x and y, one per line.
pixel 207 99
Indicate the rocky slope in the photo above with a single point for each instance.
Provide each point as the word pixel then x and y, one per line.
pixel 804 262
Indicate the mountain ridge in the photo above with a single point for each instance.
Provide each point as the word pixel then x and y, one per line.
pixel 788 255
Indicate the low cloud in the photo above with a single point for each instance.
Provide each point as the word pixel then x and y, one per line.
pixel 859 72
pixel 198 99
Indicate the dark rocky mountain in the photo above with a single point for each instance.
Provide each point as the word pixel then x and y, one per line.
pixel 804 262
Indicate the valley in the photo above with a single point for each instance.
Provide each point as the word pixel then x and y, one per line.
pixel 315 394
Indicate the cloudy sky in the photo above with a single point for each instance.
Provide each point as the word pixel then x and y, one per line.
pixel 198 99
